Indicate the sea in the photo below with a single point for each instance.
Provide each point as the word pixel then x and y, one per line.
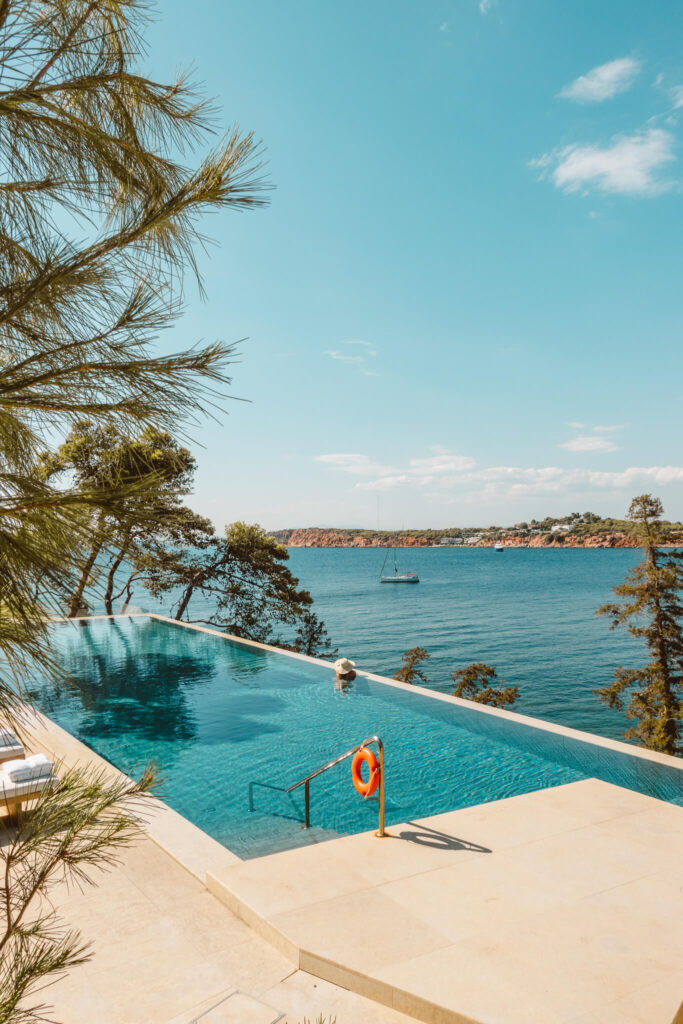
pixel 529 612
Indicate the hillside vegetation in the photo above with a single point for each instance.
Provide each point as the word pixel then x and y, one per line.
pixel 585 530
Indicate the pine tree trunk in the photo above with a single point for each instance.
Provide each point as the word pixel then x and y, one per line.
pixel 111 575
pixel 669 704
pixel 184 602
pixel 77 596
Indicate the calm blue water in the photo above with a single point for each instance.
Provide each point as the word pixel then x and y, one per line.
pixel 216 715
pixel 530 612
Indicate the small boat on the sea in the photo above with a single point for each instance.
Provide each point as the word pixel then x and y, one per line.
pixel 499 547
pixel 397 577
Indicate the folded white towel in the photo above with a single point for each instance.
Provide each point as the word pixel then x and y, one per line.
pixel 8 739
pixel 27 769
pixel 39 759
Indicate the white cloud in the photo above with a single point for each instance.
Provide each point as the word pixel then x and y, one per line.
pixel 610 429
pixel 587 443
pixel 453 479
pixel 630 164
pixel 677 96
pixel 385 483
pixel 441 462
pixel 603 82
pixel 358 359
pixel 418 471
pixel 592 480
pixel 359 465
pixel 443 27
pixel 501 483
pixel 371 350
pixel 576 426
pixel 485 6
pixel 342 356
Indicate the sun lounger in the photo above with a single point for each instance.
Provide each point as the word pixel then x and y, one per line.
pixel 26 769
pixel 10 747
pixel 14 795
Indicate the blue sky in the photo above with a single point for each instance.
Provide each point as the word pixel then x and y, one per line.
pixel 465 296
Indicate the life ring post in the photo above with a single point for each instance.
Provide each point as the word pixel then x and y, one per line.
pixel 381 832
pixel 364 755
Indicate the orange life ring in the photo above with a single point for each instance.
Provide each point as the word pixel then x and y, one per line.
pixel 365 756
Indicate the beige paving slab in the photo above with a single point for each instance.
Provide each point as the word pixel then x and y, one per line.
pixel 570 959
pixel 663 1001
pixel 537 815
pixel 470 980
pixel 199 1008
pixel 301 995
pixel 430 847
pixel 361 930
pixel 585 861
pixel 285 881
pixel 657 832
pixel 240 1008
pixel 477 899
pixel 606 801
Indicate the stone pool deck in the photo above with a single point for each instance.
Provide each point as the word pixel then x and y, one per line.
pixel 563 905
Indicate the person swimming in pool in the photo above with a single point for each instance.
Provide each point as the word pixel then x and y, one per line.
pixel 345 673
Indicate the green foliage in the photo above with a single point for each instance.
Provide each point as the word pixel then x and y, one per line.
pixel 651 610
pixel 320 1020
pixel 312 638
pixel 410 669
pixel 150 471
pixel 242 572
pixel 475 683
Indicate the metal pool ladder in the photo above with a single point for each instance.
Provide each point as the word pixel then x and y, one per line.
pixel 306 783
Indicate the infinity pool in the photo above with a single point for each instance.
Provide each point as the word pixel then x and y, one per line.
pixel 216 715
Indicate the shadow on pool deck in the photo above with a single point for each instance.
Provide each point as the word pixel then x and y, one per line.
pixel 431 837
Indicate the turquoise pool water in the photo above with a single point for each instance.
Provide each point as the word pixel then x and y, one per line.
pixel 216 715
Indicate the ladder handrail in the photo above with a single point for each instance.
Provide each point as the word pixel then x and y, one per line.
pixel 319 771
pixel 331 764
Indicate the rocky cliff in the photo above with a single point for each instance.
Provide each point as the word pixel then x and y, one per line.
pixel 315 537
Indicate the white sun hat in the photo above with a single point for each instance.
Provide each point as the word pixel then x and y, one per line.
pixel 343 665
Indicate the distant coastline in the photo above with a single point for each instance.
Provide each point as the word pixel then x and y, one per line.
pixel 573 531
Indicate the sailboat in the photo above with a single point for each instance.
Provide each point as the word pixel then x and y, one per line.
pixel 398 577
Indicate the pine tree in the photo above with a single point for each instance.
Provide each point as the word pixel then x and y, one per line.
pixel 651 610
pixel 312 638
pixel 153 466
pixel 475 683
pixel 242 574
pixel 410 669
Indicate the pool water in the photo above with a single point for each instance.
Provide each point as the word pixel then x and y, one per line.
pixel 216 715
